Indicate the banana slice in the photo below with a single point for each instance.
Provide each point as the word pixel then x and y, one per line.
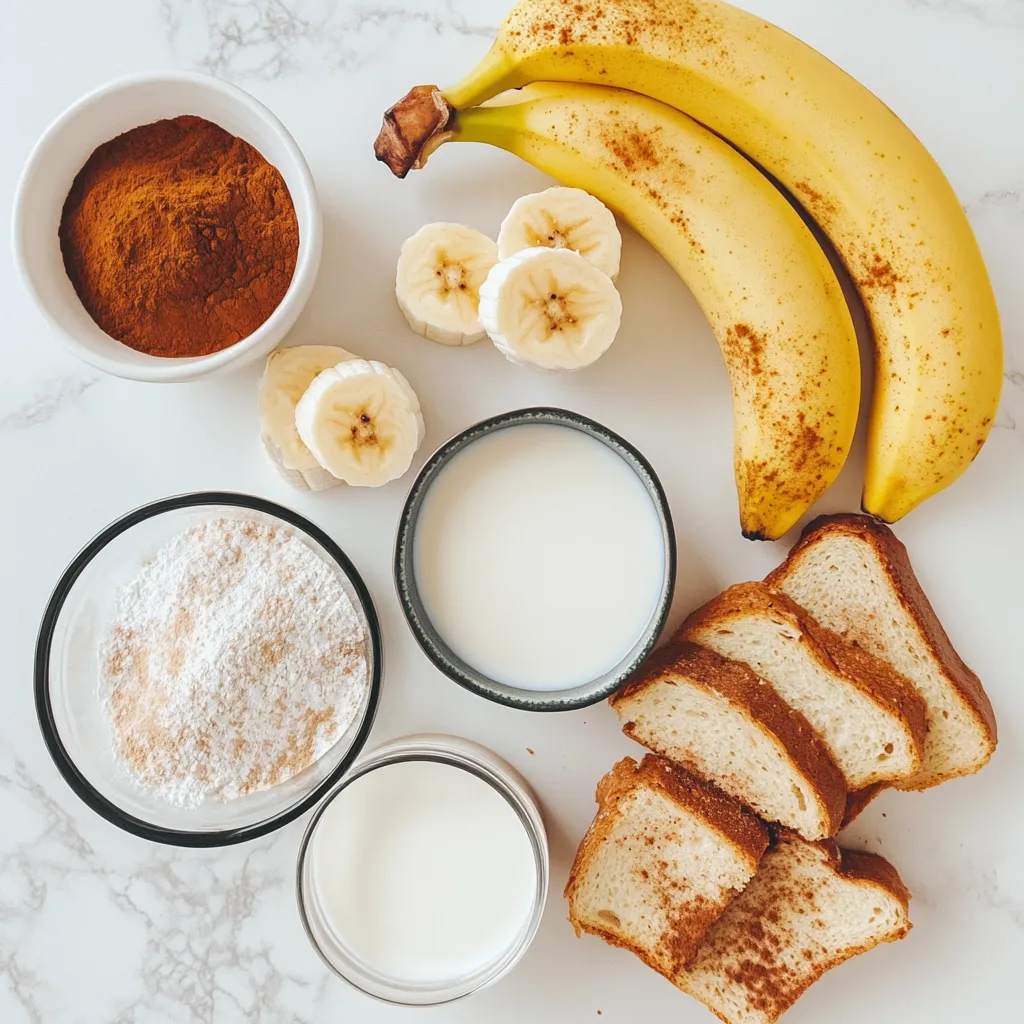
pixel 550 308
pixel 563 218
pixel 288 373
pixel 437 284
pixel 362 422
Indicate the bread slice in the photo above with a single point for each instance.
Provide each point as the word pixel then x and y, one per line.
pixel 719 720
pixel 810 907
pixel 869 716
pixel 853 575
pixel 661 861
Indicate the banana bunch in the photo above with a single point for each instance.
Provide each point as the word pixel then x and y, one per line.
pixel 544 293
pixel 858 170
pixel 328 417
pixel 766 286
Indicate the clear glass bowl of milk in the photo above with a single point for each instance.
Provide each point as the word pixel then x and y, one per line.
pixel 422 877
pixel 535 559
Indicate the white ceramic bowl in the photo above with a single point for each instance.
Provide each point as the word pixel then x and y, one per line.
pixel 59 156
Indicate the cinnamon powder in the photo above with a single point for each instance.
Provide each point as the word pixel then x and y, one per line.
pixel 179 238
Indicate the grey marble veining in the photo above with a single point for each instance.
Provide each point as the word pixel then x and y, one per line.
pixel 994 893
pixel 197 953
pixel 97 927
pixel 1002 13
pixel 49 399
pixel 1011 407
pixel 269 39
pixel 1004 201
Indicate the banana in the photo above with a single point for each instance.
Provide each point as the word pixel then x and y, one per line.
pixel 563 218
pixel 550 308
pixel 438 280
pixel 362 422
pixel 860 172
pixel 288 373
pixel 764 283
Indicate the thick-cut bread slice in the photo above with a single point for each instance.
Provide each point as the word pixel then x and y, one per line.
pixel 810 907
pixel 869 716
pixel 661 861
pixel 853 575
pixel 721 721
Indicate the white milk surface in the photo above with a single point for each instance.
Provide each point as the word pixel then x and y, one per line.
pixel 424 871
pixel 539 557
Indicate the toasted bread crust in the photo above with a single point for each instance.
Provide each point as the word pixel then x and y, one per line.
pixel 737 826
pixel 861 866
pixel 856 865
pixel 757 700
pixel 896 561
pixel 770 991
pixel 858 800
pixel 874 678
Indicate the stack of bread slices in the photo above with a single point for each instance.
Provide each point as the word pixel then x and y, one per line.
pixel 775 714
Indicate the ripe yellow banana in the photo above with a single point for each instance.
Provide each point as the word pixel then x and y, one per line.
pixel 870 184
pixel 761 278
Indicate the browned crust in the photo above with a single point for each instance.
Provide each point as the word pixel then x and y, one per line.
pixel 737 826
pixel 856 865
pixel 896 563
pixel 726 816
pixel 861 866
pixel 872 676
pixel 859 799
pixel 640 952
pixel 736 683
pixel 773 993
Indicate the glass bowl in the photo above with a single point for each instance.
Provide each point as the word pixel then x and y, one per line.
pixel 75 727
pixel 434 644
pixel 485 765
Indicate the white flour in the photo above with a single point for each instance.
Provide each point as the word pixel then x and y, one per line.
pixel 235 661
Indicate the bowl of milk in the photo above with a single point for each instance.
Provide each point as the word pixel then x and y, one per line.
pixel 535 559
pixel 422 877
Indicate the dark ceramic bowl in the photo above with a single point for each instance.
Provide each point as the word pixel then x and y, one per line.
pixel 435 646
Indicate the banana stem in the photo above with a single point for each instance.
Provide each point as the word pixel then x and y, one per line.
pixel 496 73
pixel 413 128
pixel 424 118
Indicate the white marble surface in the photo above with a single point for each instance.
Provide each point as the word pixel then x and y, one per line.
pixel 96 926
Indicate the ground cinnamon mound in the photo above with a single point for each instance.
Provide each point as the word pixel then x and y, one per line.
pixel 179 238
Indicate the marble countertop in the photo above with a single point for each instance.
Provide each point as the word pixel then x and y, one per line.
pixel 98 927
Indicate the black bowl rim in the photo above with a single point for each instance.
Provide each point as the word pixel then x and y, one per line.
pixel 81 786
pixel 428 638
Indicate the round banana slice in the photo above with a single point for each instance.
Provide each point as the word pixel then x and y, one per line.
pixel 288 373
pixel 563 218
pixel 362 422
pixel 550 308
pixel 438 280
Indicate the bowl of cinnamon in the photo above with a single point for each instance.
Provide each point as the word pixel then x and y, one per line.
pixel 167 226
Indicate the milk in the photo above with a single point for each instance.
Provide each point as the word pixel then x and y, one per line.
pixel 424 872
pixel 539 557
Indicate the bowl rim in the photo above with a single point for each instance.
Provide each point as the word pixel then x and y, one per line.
pixel 157 369
pixel 63 761
pixel 488 766
pixel 428 637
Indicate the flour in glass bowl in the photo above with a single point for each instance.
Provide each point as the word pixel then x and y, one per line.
pixel 235 660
